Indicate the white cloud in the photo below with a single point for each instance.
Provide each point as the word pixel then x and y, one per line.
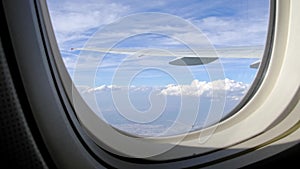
pixel 83 89
pixel 163 25
pixel 110 88
pixel 72 21
pixel 234 30
pixel 106 88
pixel 234 89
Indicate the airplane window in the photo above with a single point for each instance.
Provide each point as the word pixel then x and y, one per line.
pixel 161 68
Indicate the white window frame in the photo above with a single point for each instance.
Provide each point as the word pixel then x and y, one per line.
pixel 264 110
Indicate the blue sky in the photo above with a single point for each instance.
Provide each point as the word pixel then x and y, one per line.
pixel 224 22
pixel 165 25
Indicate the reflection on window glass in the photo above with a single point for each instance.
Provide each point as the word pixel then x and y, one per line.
pixel 159 68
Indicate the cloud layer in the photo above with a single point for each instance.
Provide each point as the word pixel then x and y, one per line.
pixel 203 88
pixel 144 98
pixel 73 21
pixel 234 90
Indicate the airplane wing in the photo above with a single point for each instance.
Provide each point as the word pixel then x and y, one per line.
pixel 189 57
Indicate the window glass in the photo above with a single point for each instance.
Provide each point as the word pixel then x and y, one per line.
pixel 160 68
